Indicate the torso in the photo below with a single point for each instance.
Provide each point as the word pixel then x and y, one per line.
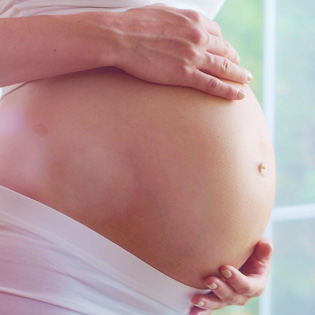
pixel 168 173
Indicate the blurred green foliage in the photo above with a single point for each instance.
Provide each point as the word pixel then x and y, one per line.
pixel 295 98
pixel 241 23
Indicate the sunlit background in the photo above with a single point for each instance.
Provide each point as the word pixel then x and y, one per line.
pixel 276 42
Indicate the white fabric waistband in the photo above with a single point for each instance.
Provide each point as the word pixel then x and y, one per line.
pixel 26 216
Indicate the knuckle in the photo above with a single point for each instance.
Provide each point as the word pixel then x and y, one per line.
pixel 193 54
pixel 211 60
pixel 245 290
pixel 230 300
pixel 197 36
pixel 190 54
pixel 230 94
pixel 184 72
pixel 226 45
pixel 212 85
pixel 226 66
pixel 193 15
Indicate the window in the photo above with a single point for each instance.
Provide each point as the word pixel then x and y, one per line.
pixel 275 39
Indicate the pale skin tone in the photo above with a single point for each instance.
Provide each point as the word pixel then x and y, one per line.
pixel 237 287
pixel 196 53
pixel 135 41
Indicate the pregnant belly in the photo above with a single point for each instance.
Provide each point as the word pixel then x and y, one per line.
pixel 183 180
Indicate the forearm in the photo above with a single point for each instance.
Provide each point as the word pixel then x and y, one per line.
pixel 43 46
pixel 154 43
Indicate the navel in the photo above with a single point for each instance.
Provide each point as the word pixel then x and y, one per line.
pixel 262 168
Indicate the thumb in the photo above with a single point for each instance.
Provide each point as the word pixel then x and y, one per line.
pixel 263 249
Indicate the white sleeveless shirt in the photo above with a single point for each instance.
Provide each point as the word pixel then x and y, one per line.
pixel 22 8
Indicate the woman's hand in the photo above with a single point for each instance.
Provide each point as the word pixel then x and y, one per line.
pixel 237 287
pixel 155 43
pixel 170 46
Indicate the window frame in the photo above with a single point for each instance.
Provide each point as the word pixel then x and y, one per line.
pixel 280 213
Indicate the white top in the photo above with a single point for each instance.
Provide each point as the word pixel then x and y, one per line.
pixel 19 8
pixel 23 8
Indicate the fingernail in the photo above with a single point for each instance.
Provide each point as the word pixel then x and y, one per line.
pixel 270 251
pixel 240 94
pixel 238 60
pixel 200 304
pixel 249 77
pixel 226 274
pixel 212 286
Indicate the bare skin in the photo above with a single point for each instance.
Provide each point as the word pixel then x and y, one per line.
pixel 177 183
pixel 155 43
pixel 236 287
pixel 200 56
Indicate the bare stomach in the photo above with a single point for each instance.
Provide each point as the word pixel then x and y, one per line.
pixel 183 180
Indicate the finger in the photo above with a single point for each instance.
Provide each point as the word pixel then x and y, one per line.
pixel 208 302
pixel 259 263
pixel 241 284
pixel 225 292
pixel 246 285
pixel 221 47
pixel 222 67
pixel 198 311
pixel 213 86
pixel 252 278
pixel 263 249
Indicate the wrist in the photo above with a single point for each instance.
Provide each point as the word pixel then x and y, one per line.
pixel 108 46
